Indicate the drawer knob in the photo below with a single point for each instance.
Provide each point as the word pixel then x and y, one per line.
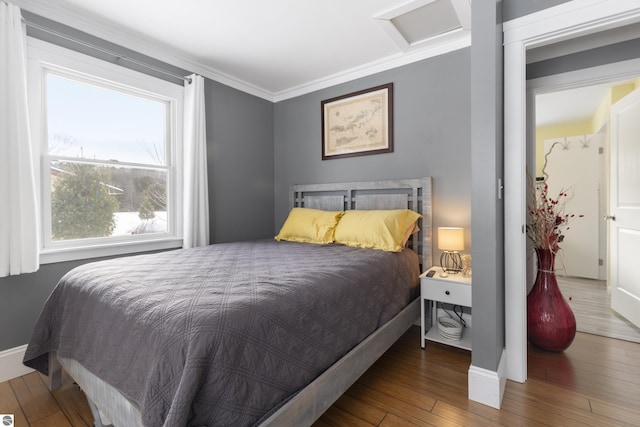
pixel 447 292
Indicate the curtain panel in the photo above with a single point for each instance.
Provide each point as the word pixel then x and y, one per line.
pixel 19 217
pixel 196 193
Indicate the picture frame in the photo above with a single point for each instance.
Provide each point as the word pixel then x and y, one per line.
pixel 359 123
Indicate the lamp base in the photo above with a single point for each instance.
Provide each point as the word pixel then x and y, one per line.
pixel 451 262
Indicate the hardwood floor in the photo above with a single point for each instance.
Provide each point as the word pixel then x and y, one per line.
pixel 595 382
pixel 31 403
pixel 591 304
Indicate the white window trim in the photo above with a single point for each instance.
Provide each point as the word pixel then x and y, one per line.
pixel 45 55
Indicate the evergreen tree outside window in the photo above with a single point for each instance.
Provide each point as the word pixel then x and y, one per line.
pixel 81 203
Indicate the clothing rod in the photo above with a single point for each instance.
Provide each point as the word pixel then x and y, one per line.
pixel 107 51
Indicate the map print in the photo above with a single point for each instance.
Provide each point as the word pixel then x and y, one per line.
pixel 357 124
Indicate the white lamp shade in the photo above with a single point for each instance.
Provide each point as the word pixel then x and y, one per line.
pixel 450 238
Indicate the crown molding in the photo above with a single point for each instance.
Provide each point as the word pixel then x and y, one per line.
pixel 532 27
pixel 66 16
pixel 136 42
pixel 452 42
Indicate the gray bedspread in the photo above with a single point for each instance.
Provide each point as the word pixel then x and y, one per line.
pixel 220 335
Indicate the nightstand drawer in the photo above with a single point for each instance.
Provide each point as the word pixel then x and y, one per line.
pixel 447 292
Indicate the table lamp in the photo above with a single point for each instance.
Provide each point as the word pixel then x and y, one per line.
pixel 450 241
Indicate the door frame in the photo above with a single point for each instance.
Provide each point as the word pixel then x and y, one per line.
pixel 565 21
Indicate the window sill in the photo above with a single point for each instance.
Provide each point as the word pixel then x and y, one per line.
pixel 50 256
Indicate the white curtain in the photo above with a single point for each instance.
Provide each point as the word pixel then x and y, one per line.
pixel 196 194
pixel 19 235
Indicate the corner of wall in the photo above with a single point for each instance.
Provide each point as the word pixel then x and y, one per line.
pixel 487 387
pixel 615 94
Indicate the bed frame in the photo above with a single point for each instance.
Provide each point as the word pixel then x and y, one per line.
pixel 311 402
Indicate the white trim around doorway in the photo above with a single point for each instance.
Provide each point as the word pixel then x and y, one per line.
pixel 565 21
pixel 607 73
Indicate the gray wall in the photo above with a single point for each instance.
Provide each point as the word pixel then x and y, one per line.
pixel 240 166
pixel 609 54
pixel 512 9
pixel 431 138
pixel 486 169
pixel 487 149
pixel 22 298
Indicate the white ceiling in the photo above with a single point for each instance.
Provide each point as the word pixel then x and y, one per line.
pixel 278 49
pixel 577 104
pixel 271 48
pixel 571 105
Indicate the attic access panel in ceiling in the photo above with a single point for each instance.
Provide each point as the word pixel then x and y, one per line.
pixel 421 22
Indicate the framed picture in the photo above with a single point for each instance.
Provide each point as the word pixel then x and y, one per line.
pixel 359 123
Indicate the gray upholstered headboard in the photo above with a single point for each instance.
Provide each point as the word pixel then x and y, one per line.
pixel 414 194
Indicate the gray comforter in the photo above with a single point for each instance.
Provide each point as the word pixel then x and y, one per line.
pixel 225 334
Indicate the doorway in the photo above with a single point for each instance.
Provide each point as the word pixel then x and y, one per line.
pixel 562 22
pixel 571 151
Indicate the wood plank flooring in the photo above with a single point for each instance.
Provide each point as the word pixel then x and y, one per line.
pixel 595 382
pixel 591 304
pixel 29 400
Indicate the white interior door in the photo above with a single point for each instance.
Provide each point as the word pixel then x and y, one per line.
pixel 572 167
pixel 624 208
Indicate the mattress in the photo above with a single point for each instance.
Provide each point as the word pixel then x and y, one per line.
pixel 224 334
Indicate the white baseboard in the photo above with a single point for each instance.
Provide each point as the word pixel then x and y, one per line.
pixel 487 387
pixel 11 363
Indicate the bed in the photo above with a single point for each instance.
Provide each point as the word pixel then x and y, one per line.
pixel 301 321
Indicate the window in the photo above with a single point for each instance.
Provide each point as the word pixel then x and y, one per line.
pixel 109 155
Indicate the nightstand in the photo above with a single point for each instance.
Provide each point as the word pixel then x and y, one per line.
pixel 453 289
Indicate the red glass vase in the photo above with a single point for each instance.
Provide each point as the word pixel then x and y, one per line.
pixel 551 324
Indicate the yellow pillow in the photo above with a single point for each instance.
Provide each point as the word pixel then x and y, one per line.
pixel 309 225
pixel 387 230
pixel 410 231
